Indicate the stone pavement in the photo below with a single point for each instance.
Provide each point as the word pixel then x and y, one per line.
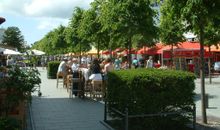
pixel 56 111
pixel 213 111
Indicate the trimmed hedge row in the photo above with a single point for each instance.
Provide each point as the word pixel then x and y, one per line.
pixel 52 69
pixel 149 91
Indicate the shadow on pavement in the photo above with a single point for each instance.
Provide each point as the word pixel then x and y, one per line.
pixel 206 127
pixel 197 97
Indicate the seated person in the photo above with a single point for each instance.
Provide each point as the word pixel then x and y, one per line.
pixel 75 71
pixel 95 70
pixel 108 66
pixel 63 67
pixel 75 65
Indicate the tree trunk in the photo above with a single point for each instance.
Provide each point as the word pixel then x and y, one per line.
pixel 129 53
pixel 98 50
pixel 171 57
pixel 209 64
pixel 80 51
pixel 202 76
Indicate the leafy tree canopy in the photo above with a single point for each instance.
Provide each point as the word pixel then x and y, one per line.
pixel 171 27
pixel 13 37
pixel 128 18
pixel 72 36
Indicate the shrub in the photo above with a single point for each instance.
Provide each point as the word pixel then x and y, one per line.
pixel 150 91
pixel 17 86
pixel 52 69
pixel 7 123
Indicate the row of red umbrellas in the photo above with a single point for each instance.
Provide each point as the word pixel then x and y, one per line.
pixel 159 48
pixel 119 50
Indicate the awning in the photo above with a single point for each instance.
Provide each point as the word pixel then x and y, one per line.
pixel 11 52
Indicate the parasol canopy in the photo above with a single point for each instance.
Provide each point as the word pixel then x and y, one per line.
pixel 38 52
pixel 2 20
pixel 11 52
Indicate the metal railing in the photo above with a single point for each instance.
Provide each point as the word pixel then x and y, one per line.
pixel 126 115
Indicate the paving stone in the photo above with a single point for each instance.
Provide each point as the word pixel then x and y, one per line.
pixel 56 111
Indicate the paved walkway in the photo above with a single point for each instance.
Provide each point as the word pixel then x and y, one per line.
pixel 55 111
pixel 213 111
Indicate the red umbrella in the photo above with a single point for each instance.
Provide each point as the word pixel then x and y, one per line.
pixel 150 51
pixel 2 20
pixel 126 51
pixel 118 50
pixel 107 52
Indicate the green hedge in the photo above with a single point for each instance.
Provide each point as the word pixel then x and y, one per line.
pixel 148 91
pixel 52 69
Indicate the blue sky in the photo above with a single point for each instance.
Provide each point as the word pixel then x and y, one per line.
pixel 35 18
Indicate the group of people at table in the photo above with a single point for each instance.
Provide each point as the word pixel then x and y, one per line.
pixel 96 70
pixel 90 72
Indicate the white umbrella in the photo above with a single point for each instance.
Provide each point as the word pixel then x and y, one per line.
pixel 38 52
pixel 2 49
pixel 11 52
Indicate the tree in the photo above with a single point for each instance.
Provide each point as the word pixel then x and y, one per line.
pixel 13 37
pixel 212 37
pixel 196 16
pixel 90 27
pixel 171 28
pixel 125 19
pixel 53 42
pixel 72 37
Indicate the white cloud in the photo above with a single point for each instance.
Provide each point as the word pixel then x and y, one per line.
pixel 12 6
pixel 43 8
pixel 49 23
pixel 46 14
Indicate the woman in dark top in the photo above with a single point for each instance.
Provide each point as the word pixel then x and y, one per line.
pixel 95 67
pixel 95 70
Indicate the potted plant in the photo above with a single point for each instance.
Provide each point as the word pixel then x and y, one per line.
pixel 15 89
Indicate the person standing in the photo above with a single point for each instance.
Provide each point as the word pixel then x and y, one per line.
pixel 108 66
pixel 150 62
pixel 135 63
pixel 117 64
pixel 10 61
pixel 141 62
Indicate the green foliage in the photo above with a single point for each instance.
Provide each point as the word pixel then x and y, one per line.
pixel 171 27
pixel 54 42
pixel 52 69
pixel 7 123
pixel 128 18
pixel 90 27
pixel 18 86
pixel 212 35
pixel 13 37
pixel 106 25
pixel 72 33
pixel 148 91
pixel 22 80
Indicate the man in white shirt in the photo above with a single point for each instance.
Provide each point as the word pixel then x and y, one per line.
pixel 75 65
pixel 63 67
pixel 9 61
pixel 150 62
